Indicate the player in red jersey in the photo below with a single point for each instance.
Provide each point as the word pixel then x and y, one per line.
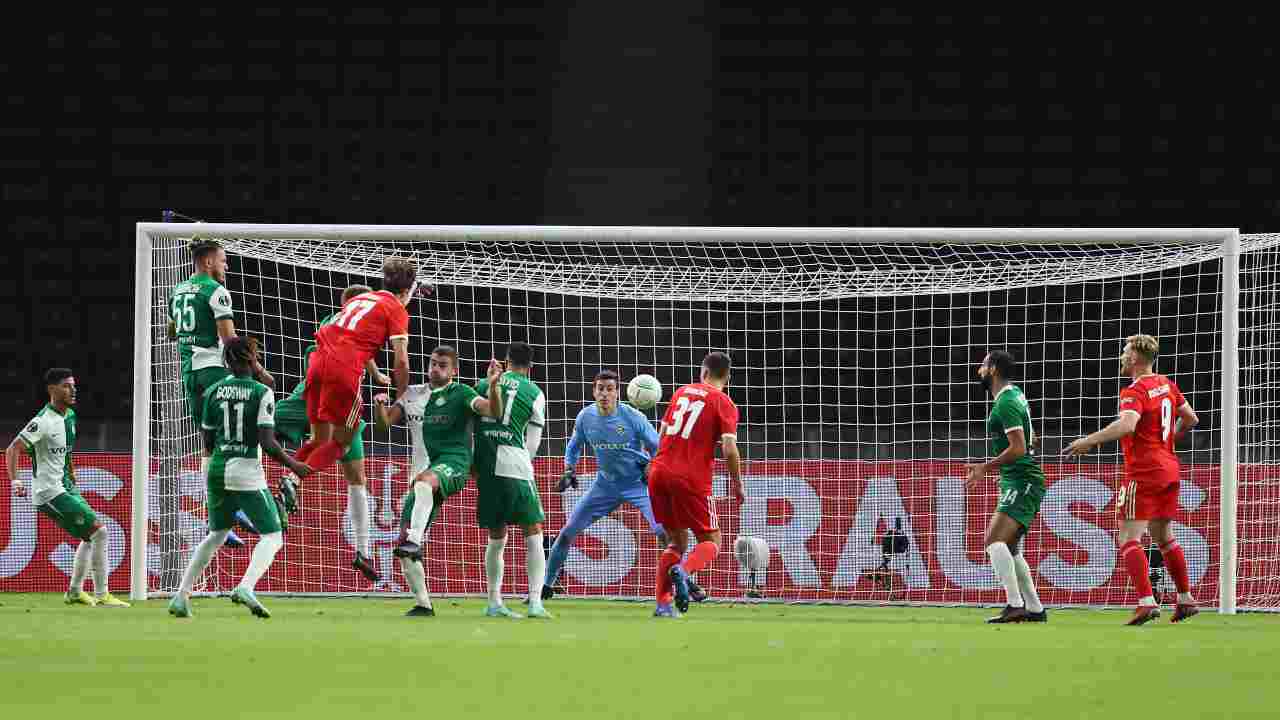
pixel 699 416
pixel 1153 416
pixel 365 323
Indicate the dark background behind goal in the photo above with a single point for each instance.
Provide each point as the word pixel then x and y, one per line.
pixel 698 114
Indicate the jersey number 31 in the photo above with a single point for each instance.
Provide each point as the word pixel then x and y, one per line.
pixel 679 417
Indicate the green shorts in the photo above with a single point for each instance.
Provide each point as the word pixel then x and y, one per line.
pixel 195 383
pixel 257 504
pixel 506 501
pixel 291 416
pixel 453 478
pixel 453 475
pixel 70 511
pixel 292 424
pixel 1020 500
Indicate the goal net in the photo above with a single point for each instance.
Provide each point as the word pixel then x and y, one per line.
pixel 854 358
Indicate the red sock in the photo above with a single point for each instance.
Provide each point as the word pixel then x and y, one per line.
pixel 1139 571
pixel 663 592
pixel 701 556
pixel 1177 564
pixel 325 455
pixel 305 451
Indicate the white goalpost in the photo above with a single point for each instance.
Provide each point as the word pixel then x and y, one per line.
pixel 854 352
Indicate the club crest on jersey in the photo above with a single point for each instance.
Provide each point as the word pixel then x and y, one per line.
pixel 440 401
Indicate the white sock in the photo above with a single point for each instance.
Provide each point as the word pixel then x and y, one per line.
pixel 263 553
pixel 98 541
pixel 358 509
pixel 1026 585
pixel 417 580
pixel 200 558
pixel 536 562
pixel 1149 601
pixel 80 567
pixel 204 466
pixel 1002 563
pixel 1186 599
pixel 493 567
pixel 422 502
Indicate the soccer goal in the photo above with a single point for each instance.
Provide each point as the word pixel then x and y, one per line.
pixel 854 356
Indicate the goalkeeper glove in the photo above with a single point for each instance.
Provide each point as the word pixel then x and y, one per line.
pixel 567 480
pixel 289 493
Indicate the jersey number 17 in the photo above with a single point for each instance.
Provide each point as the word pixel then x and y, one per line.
pixel 354 312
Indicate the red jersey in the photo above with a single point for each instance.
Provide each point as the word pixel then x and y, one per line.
pixel 365 323
pixel 1148 450
pixel 698 416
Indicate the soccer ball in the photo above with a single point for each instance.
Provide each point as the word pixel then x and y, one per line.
pixel 644 391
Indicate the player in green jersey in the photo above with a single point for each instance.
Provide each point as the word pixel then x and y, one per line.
pixel 238 427
pixel 508 495
pixel 48 439
pixel 292 425
pixel 446 437
pixel 1021 484
pixel 200 320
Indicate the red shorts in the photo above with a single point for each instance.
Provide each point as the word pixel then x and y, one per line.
pixel 333 391
pixel 1138 500
pixel 676 505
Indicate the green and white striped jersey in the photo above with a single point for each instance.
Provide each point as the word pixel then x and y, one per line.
pixel 500 442
pixel 234 409
pixel 196 306
pixel 49 438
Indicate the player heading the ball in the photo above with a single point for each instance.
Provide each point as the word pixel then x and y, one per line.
pixel 344 347
pixel 292 425
pixel 699 417
pixel 1153 416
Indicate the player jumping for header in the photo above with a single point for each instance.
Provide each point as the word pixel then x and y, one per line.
pixel 291 424
pixel 365 323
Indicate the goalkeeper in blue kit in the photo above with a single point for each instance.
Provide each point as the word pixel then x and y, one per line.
pixel 623 440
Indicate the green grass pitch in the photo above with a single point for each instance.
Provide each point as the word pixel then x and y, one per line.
pixel 357 658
